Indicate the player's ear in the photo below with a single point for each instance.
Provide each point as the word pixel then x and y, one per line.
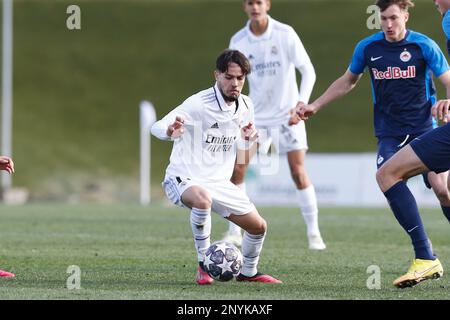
pixel 406 16
pixel 268 4
pixel 216 75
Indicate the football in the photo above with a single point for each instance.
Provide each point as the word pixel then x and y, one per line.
pixel 223 261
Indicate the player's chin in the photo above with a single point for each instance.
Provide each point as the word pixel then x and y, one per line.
pixel 234 95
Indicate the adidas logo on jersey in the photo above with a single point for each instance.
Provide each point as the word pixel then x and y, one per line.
pixel 215 126
pixel 394 73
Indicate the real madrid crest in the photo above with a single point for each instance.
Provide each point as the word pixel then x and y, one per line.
pixel 405 56
pixel 274 50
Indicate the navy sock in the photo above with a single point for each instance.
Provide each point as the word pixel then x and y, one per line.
pixel 446 211
pixel 405 209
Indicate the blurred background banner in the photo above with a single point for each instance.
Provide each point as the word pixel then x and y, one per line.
pixel 340 179
pixel 75 134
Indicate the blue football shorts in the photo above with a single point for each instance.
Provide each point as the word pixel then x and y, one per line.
pixel 388 146
pixel 433 148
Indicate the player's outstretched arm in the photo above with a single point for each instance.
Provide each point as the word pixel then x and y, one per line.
pixel 441 107
pixel 246 146
pixel 6 164
pixel 337 89
pixel 170 127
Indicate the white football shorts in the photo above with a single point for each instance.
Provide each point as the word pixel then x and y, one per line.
pixel 226 197
pixel 284 138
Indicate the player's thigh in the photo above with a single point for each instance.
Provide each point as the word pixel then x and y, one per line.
pixel 296 160
pixel 403 165
pixel 251 222
pixel 438 182
pixel 196 196
pixel 185 192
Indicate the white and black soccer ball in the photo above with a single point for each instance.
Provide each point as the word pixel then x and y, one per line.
pixel 223 261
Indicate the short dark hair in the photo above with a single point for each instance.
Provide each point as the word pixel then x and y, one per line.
pixel 403 4
pixel 228 56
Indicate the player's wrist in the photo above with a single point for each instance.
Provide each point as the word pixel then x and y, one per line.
pixel 243 144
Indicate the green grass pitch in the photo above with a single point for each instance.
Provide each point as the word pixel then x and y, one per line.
pixel 133 252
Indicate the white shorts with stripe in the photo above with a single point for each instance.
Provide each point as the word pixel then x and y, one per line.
pixel 284 138
pixel 226 197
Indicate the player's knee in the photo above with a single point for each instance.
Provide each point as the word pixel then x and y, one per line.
pixel 258 228
pixel 238 173
pixel 203 201
pixel 442 194
pixel 380 176
pixel 385 178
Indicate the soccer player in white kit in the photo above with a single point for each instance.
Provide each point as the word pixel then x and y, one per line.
pixel 209 129
pixel 6 164
pixel 275 52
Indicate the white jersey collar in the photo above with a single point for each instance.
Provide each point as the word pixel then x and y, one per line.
pixel 221 102
pixel 266 35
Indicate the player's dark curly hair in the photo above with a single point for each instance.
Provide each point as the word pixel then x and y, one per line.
pixel 228 56
pixel 403 4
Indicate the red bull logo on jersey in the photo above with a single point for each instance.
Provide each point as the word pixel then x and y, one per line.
pixel 394 73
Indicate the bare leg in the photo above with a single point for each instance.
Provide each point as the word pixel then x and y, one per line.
pixel 403 165
pixel 438 182
pixel 233 234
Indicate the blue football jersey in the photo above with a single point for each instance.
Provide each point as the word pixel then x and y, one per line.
pixel 401 77
pixel 446 27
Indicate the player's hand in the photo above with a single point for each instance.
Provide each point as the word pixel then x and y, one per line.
pixel 306 111
pixel 440 110
pixel 249 132
pixel 176 129
pixel 294 118
pixel 6 164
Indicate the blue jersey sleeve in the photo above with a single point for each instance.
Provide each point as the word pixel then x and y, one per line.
pixel 434 57
pixel 432 54
pixel 358 63
pixel 446 28
pixel 446 24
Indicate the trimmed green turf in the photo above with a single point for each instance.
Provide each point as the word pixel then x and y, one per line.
pixel 131 252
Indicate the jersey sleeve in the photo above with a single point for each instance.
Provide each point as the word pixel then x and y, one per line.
pixel 186 110
pixel 358 63
pixel 301 60
pixel 434 57
pixel 446 28
pixel 446 24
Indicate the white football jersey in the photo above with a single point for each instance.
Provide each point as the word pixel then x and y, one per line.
pixel 206 151
pixel 274 56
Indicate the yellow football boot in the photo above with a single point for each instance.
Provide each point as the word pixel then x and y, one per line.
pixel 419 271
